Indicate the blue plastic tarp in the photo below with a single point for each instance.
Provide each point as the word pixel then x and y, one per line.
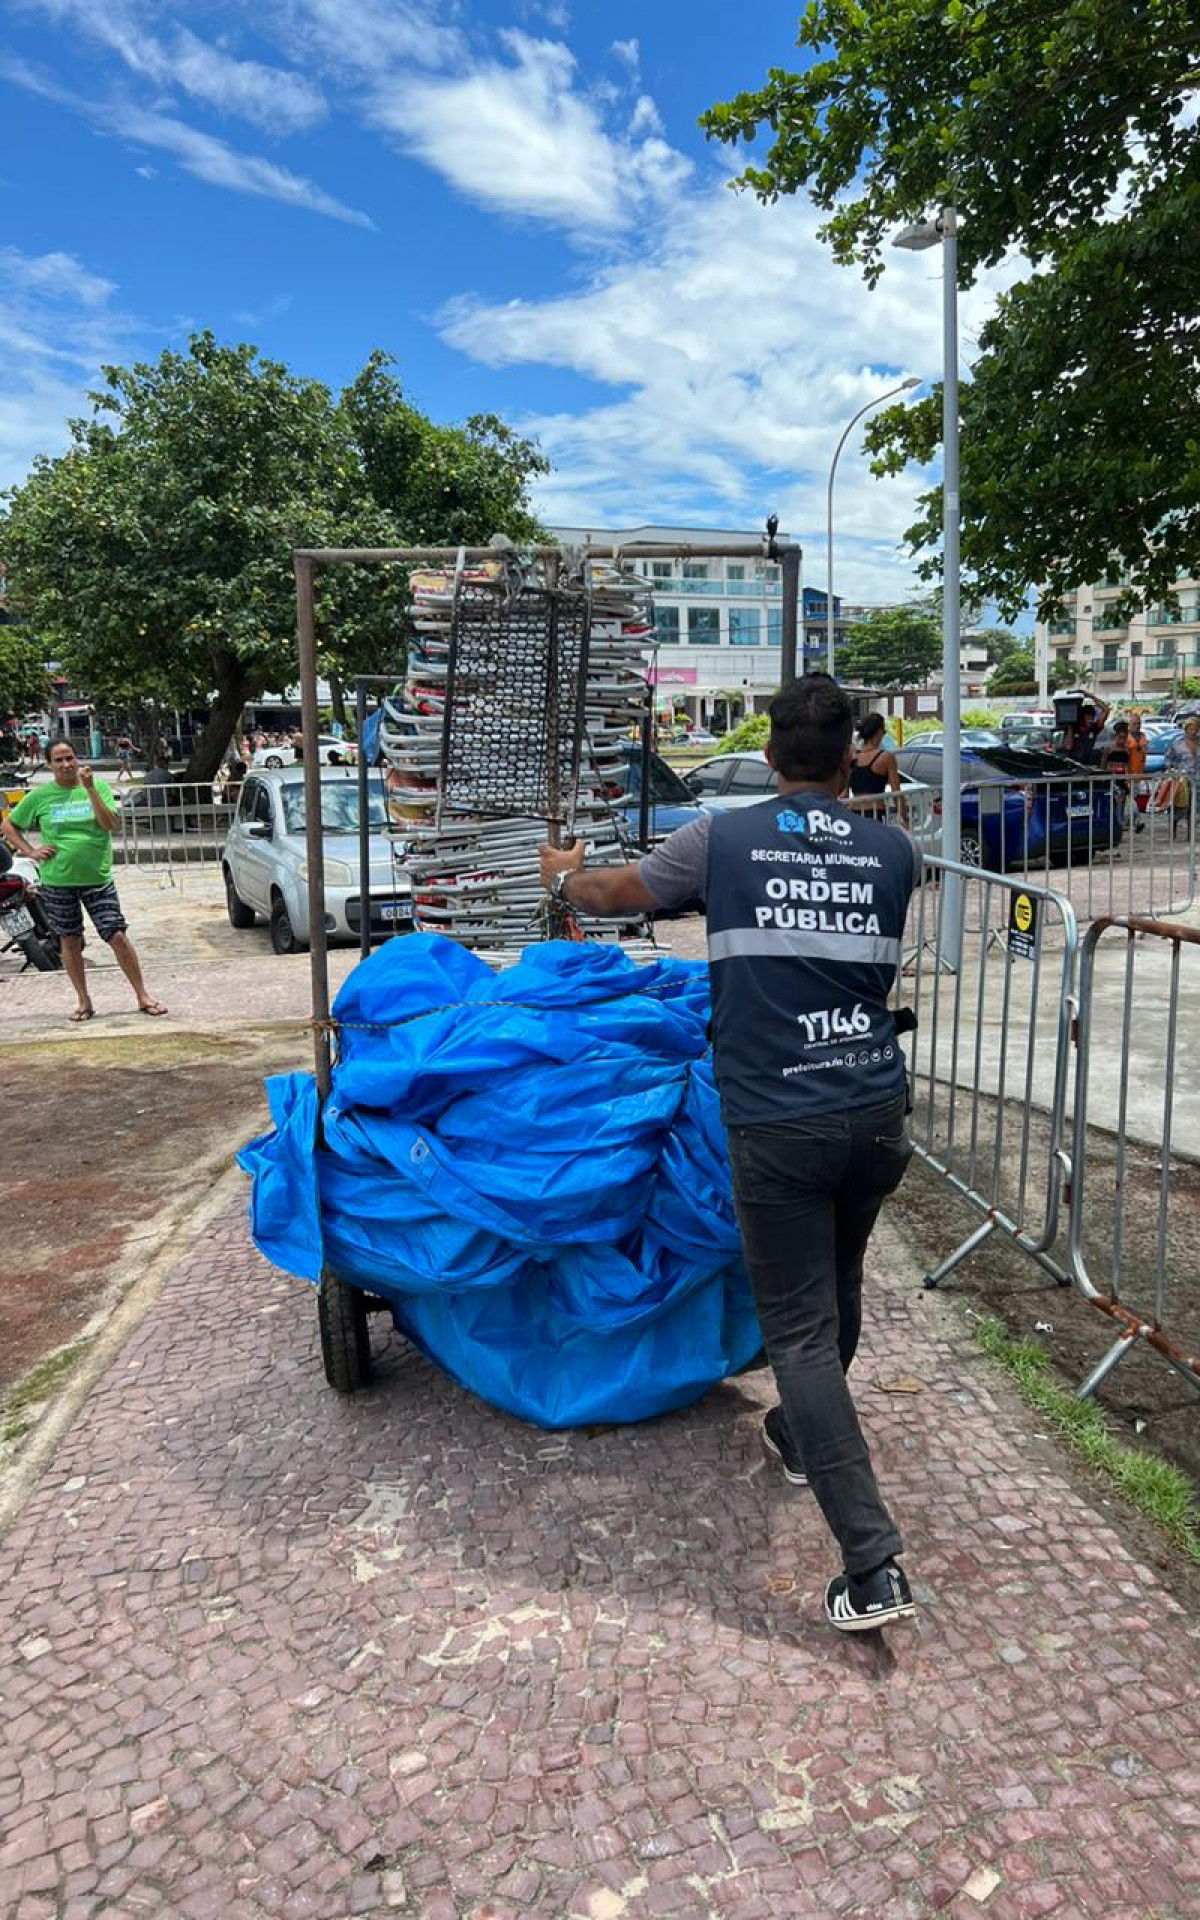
pixel 529 1167
pixel 368 746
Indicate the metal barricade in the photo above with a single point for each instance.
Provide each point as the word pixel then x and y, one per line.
pixel 914 806
pixel 1134 1196
pixel 989 1060
pixel 1111 844
pixel 184 824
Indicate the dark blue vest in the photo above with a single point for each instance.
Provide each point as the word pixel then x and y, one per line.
pixel 806 909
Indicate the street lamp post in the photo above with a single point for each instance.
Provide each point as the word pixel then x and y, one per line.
pixel 905 386
pixel 915 239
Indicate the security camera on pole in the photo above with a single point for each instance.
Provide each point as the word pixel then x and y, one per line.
pixel 915 239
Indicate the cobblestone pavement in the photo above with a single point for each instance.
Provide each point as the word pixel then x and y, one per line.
pixel 268 1652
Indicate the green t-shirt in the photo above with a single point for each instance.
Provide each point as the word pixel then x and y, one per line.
pixel 63 817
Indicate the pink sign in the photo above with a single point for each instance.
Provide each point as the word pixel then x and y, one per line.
pixel 672 676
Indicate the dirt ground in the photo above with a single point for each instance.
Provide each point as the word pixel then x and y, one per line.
pixel 1152 1405
pixel 118 1139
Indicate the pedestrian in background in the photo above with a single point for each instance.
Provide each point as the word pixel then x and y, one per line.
pixel 806 905
pixel 1181 767
pixel 74 815
pixel 125 757
pixel 873 770
pixel 1080 737
pixel 1117 759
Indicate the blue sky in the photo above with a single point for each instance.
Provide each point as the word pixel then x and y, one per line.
pixel 510 196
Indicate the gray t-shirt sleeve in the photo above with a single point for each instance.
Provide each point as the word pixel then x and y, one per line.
pixel 677 870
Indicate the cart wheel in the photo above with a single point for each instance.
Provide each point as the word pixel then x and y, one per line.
pixel 345 1338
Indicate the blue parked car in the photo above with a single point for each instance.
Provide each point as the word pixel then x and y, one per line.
pixel 672 804
pixel 1010 819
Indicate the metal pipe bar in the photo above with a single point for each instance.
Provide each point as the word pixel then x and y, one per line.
pixel 318 957
pixel 364 833
pixel 789 625
pixel 1122 1120
pixel 1160 1257
pixel 641 550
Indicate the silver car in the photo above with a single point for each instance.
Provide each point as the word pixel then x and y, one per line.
pixel 264 860
pixel 732 780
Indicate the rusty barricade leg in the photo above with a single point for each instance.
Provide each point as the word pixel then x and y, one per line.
pixel 990 1059
pixel 1137 976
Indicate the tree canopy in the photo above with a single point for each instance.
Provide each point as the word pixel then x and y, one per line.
pixel 891 647
pixel 1016 673
pixel 1065 137
pixel 154 557
pixel 998 642
pixel 24 682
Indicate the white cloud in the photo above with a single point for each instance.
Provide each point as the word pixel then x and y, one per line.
pixel 201 154
pixel 628 52
pixel 270 97
pixel 646 117
pixel 267 96
pixel 370 38
pixel 272 309
pixel 55 276
pixel 221 165
pixel 58 325
pixel 736 352
pixel 551 13
pixel 518 136
pixel 514 137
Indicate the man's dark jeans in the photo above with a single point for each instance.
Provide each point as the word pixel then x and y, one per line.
pixel 808 1193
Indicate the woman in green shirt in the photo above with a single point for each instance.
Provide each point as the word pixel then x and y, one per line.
pixel 74 815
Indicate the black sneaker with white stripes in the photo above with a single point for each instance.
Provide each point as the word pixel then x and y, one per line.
pixel 858 1605
pixel 778 1442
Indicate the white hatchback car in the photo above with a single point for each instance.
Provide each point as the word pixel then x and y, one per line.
pixel 331 752
pixel 265 866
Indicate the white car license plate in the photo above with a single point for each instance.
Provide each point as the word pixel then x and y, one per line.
pixel 17 921
pixel 1079 813
pixel 396 910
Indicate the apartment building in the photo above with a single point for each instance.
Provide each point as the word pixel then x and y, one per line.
pixel 1143 658
pixel 718 623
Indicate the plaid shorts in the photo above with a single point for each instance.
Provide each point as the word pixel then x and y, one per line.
pixel 64 910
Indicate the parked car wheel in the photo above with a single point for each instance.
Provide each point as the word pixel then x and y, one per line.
pixel 272 760
pixel 970 850
pixel 345 1335
pixel 284 938
pixel 240 915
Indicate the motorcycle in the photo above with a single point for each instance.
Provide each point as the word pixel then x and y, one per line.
pixel 23 922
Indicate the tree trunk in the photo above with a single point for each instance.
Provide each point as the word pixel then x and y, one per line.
pixel 234 688
pixel 337 700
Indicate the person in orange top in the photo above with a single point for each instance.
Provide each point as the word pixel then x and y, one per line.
pixel 1138 745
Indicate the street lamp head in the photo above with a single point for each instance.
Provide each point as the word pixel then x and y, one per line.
pixel 906 386
pixel 918 236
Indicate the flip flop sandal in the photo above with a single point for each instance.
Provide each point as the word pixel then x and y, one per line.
pixel 81 1014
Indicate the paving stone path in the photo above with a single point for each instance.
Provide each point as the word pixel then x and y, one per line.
pixel 270 1653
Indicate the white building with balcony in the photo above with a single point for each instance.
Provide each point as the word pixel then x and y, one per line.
pixel 1143 658
pixel 718 623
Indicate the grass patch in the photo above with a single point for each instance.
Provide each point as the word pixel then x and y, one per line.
pixel 35 1387
pixel 1152 1485
pixel 134 1049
